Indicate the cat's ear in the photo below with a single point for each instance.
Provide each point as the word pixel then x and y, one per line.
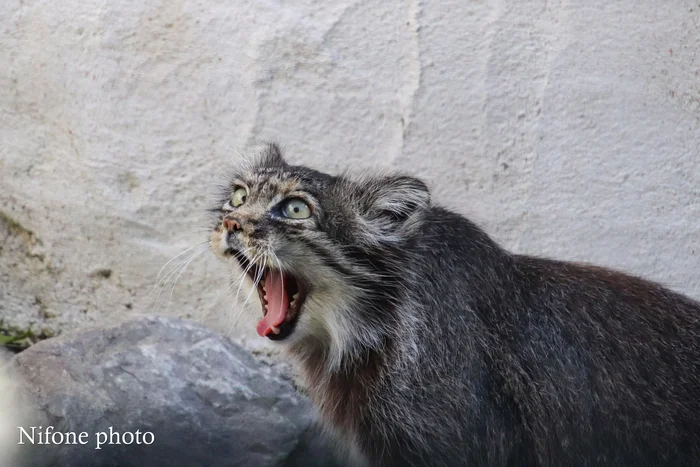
pixel 398 197
pixel 272 155
pixel 267 155
pixel 394 203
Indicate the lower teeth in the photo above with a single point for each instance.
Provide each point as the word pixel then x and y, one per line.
pixel 275 329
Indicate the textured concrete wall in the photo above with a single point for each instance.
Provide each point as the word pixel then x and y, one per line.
pixel 567 129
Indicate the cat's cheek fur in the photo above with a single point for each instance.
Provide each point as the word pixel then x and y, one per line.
pixel 217 243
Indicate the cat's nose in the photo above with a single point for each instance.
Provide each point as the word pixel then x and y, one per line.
pixel 232 225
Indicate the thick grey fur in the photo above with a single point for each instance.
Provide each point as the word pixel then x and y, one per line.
pixel 456 352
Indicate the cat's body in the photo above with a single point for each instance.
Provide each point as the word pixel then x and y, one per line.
pixel 448 350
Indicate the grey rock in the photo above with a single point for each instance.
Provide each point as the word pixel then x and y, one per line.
pixel 205 399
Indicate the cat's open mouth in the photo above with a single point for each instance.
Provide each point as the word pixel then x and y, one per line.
pixel 282 295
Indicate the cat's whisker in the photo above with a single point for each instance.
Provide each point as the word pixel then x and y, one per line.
pixel 279 264
pixel 172 289
pixel 258 277
pixel 177 256
pixel 234 280
pixel 235 299
pixel 163 282
pixel 256 283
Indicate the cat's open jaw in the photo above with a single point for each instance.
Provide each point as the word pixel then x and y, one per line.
pixel 282 296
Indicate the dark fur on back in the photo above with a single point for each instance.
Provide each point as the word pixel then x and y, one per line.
pixel 465 354
pixel 549 363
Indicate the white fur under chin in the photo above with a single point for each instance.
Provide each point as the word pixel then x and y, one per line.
pixel 327 315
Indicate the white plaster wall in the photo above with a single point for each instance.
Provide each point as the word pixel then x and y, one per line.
pixel 567 129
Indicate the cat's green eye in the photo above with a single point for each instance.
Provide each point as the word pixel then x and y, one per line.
pixel 296 209
pixel 239 196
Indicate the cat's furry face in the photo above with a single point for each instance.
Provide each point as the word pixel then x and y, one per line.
pixel 321 250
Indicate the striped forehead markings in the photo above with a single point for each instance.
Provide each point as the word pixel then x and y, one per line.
pixel 278 185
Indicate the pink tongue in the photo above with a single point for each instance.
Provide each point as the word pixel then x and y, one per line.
pixel 277 303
